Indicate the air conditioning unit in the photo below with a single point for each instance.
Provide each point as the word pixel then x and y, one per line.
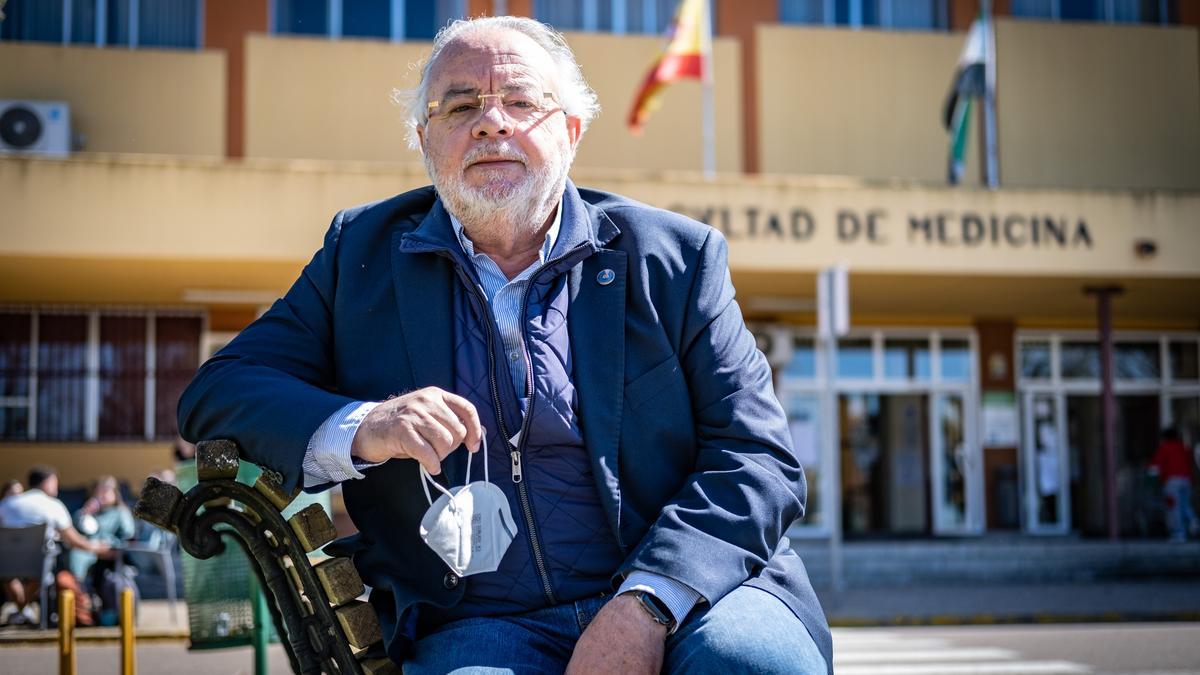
pixel 35 128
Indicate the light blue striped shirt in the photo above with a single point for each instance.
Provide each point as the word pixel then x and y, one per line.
pixel 328 458
pixel 506 295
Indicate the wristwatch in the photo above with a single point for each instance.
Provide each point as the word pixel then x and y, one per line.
pixel 657 609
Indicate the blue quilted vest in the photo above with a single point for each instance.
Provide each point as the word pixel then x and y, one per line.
pixel 565 549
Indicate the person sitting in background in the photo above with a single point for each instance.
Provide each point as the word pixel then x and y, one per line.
pixel 104 517
pixel 184 450
pixel 36 506
pixel 12 487
pixel 1173 466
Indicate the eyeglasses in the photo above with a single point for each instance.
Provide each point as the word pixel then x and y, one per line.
pixel 518 105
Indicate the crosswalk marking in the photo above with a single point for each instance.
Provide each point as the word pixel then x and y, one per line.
pixel 945 654
pixel 998 668
pixel 882 652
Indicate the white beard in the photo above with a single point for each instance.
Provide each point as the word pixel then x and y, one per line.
pixel 502 209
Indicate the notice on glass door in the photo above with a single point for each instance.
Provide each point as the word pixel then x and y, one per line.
pixel 1000 426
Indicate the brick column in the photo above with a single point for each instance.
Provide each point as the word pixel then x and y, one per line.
pixel 1187 12
pixel 997 378
pixel 226 25
pixel 738 20
pixel 963 12
pixel 520 7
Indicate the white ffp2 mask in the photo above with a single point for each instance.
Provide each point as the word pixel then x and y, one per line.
pixel 470 527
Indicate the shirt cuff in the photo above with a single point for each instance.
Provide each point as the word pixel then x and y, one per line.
pixel 328 456
pixel 676 595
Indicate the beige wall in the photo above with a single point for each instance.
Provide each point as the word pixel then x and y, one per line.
pixel 856 103
pixel 268 210
pixel 1079 105
pixel 958 231
pixel 1098 106
pixel 615 66
pixel 322 99
pixel 311 98
pixel 168 102
pixel 79 464
pixel 136 207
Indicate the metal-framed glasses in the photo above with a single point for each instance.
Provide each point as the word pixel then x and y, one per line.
pixel 467 107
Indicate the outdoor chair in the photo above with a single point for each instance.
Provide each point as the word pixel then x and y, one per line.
pixel 27 554
pixel 322 623
pixel 158 545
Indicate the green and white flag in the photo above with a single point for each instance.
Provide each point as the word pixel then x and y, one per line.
pixel 970 80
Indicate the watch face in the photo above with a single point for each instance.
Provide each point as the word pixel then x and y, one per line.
pixel 656 607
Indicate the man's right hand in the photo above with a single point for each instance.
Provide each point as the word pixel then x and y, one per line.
pixel 425 425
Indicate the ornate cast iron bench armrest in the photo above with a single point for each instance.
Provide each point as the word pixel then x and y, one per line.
pixel 316 610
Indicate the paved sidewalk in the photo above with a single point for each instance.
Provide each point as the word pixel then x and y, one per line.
pixel 1015 603
pixel 153 623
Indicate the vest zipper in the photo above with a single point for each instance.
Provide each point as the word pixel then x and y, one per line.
pixel 522 493
pixel 515 454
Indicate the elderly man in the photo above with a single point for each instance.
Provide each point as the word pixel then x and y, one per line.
pixel 589 343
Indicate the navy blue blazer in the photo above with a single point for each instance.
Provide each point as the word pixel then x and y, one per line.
pixel 688 443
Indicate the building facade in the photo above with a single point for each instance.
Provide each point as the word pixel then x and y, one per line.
pixel 214 139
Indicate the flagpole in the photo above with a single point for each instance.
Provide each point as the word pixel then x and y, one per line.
pixel 708 116
pixel 992 167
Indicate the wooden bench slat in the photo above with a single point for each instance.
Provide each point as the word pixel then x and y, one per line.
pixel 360 623
pixel 313 527
pixel 340 580
pixel 269 487
pixel 159 504
pixel 216 460
pixel 380 667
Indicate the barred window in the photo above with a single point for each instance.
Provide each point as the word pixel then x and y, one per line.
pixel 384 19
pixel 132 23
pixel 83 376
pixel 887 14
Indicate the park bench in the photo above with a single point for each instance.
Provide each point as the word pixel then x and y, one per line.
pixel 322 623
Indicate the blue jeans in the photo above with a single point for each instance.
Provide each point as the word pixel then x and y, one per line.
pixel 747 631
pixel 1181 517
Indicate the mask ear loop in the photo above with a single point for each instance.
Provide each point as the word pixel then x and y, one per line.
pixel 483 449
pixel 426 479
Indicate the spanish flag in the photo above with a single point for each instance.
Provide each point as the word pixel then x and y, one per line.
pixel 688 55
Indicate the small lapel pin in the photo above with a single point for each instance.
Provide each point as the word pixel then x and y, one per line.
pixel 605 277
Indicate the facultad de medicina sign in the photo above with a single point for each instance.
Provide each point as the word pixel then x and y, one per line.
pixel 878 227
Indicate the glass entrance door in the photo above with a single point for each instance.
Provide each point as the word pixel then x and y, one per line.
pixel 907 465
pixel 1066 478
pixel 1185 417
pixel 885 469
pixel 1046 485
pixel 956 468
pixel 1139 511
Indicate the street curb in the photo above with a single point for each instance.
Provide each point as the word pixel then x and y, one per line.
pixel 1011 619
pixel 90 635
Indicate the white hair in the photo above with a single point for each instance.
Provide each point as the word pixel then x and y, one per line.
pixel 574 94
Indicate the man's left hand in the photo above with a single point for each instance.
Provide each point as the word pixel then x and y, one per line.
pixel 623 638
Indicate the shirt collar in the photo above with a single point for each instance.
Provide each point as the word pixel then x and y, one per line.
pixel 547 246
